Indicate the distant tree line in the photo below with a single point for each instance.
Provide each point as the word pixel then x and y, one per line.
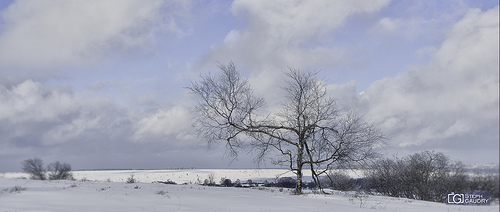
pixel 423 176
pixel 56 170
pixel 283 182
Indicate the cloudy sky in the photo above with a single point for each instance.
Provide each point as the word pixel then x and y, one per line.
pixel 100 84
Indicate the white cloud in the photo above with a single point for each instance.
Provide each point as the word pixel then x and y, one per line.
pixel 50 115
pixel 38 120
pixel 56 115
pixel 387 25
pixel 344 94
pixel 295 22
pixel 277 30
pixel 31 101
pixel 282 34
pixel 46 34
pixel 165 125
pixel 450 100
pixel 467 47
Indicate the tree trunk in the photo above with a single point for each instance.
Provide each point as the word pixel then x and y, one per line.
pixel 298 188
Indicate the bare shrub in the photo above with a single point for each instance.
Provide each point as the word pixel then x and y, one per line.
pixel 17 189
pixel 286 182
pixel 237 183
pixel 60 171
pixel 57 170
pixel 210 181
pixel 339 181
pixel 170 182
pixel 486 182
pixel 226 182
pixel 35 168
pixel 162 192
pixel 131 179
pixel 423 176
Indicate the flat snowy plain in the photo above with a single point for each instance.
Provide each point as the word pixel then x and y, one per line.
pixel 108 191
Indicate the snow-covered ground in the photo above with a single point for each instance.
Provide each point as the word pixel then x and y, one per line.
pixel 181 176
pixel 107 191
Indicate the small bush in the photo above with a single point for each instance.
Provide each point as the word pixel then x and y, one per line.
pixel 210 181
pixel 17 189
pixel 60 171
pixel 131 179
pixel 35 168
pixel 286 182
pixel 250 183
pixel 226 182
pixel 237 183
pixel 167 182
pixel 338 181
pixel 161 192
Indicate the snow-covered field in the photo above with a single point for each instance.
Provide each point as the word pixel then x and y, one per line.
pixel 181 176
pixel 107 191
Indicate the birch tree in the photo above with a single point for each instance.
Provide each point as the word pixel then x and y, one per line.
pixel 308 131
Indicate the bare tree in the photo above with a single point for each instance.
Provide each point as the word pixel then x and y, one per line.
pixel 34 167
pixel 60 171
pixel 309 131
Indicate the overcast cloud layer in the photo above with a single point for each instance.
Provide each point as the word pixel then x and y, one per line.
pixel 100 84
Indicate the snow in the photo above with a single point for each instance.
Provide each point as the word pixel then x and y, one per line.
pixel 181 176
pixel 107 191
